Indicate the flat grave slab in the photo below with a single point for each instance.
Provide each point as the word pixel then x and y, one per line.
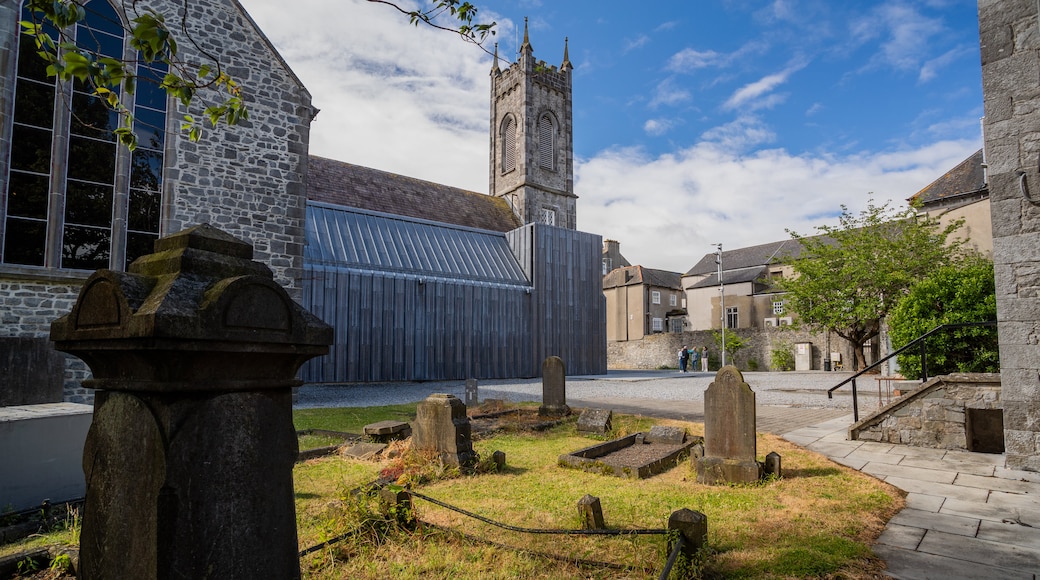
pixel 629 456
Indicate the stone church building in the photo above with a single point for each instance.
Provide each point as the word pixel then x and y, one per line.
pixel 420 280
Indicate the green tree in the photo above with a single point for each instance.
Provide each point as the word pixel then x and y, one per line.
pixel 848 278
pixel 733 345
pixel 962 292
pixel 207 82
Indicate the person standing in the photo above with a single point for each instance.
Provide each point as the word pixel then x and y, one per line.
pixel 704 359
pixel 695 358
pixel 684 358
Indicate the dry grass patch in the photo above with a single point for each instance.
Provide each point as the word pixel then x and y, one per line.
pixel 816 522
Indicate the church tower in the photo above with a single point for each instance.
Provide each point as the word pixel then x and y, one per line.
pixel 532 151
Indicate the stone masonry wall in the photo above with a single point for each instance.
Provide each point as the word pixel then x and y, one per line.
pixel 934 416
pixel 1009 36
pixel 659 350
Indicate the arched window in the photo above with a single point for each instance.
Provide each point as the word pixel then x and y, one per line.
pixel 508 144
pixel 546 133
pixel 75 198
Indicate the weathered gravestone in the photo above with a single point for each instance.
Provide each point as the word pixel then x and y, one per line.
pixel 729 431
pixel 441 425
pixel 188 463
pixel 554 388
pixel 596 421
pixel 472 400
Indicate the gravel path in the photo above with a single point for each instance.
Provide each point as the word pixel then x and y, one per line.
pixel 790 389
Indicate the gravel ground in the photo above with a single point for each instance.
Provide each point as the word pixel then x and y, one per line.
pixel 793 389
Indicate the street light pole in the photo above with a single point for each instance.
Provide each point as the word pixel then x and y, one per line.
pixel 722 299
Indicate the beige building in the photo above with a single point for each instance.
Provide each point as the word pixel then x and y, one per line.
pixel 748 275
pixel 962 193
pixel 642 301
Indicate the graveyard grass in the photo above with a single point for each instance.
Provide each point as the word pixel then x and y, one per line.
pixel 818 521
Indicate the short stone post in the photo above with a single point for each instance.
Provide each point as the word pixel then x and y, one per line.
pixel 772 465
pixel 554 388
pixel 591 513
pixel 472 398
pixel 729 431
pixel 441 425
pixel 189 459
pixel 693 526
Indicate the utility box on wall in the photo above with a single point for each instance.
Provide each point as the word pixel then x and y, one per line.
pixel 803 356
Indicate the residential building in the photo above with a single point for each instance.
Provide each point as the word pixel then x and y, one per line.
pixel 612 257
pixel 962 194
pixel 642 301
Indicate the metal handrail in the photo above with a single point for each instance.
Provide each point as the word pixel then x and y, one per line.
pixel 919 341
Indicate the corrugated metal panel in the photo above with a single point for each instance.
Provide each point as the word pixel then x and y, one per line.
pixel 340 237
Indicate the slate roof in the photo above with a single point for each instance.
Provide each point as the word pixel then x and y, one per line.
pixel 346 184
pixel 638 275
pixel 345 238
pixel 968 178
pixel 742 258
pixel 733 276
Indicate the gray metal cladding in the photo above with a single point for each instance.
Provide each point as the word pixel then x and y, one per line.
pixel 347 238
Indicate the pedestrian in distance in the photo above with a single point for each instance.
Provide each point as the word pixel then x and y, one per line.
pixel 695 358
pixel 704 359
pixel 684 358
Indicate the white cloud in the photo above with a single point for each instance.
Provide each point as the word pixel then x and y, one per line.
pixel 668 93
pixel 815 108
pixel 631 44
pixel 905 36
pixel 658 127
pixel 751 91
pixel 689 59
pixel 667 211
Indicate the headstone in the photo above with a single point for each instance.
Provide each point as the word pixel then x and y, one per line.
pixel 693 526
pixel 590 512
pixel 729 431
pixel 387 431
pixel 472 400
pixel 772 465
pixel 33 372
pixel 554 388
pixel 666 435
pixel 595 421
pixel 499 457
pixel 441 425
pixel 362 450
pixel 188 462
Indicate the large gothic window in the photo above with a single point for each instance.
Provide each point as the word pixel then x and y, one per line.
pixel 545 142
pixel 75 198
pixel 508 144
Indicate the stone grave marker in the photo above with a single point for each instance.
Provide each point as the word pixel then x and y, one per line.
pixel 669 435
pixel 441 424
pixel 590 511
pixel 595 421
pixel 387 431
pixel 472 400
pixel 554 388
pixel 729 431
pixel 188 463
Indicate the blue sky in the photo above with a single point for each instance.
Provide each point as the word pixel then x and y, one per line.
pixel 695 122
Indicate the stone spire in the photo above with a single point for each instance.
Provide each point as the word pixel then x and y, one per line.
pixel 494 61
pixel 526 46
pixel 566 66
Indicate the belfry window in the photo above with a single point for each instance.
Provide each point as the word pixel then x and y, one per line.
pixel 508 144
pixel 75 198
pixel 546 154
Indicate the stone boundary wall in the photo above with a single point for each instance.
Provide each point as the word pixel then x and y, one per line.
pixel 933 415
pixel 659 350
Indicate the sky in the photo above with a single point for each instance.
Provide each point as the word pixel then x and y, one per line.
pixel 695 122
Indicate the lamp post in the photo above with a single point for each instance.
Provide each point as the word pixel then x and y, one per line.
pixel 722 299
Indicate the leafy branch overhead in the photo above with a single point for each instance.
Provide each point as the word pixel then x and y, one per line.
pixel 51 27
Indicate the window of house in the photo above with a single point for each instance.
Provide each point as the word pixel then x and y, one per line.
pixel 75 198
pixel 548 216
pixel 778 307
pixel 731 317
pixel 658 325
pixel 508 144
pixel 545 142
pixel 606 266
pixel 655 297
pixel 672 300
pixel 675 325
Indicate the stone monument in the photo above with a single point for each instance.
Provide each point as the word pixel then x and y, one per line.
pixel 554 388
pixel 441 425
pixel 188 463
pixel 729 431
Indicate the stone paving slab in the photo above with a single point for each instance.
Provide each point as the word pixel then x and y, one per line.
pixel 976 550
pixel 869 456
pixel 916 473
pixel 924 502
pixel 898 536
pixel 944 489
pixel 997 483
pixel 1026 502
pixel 951 466
pixel 912 565
pixel 1014 534
pixel 986 511
pixel 951 524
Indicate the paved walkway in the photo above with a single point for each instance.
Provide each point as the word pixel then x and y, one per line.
pixel 966 516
